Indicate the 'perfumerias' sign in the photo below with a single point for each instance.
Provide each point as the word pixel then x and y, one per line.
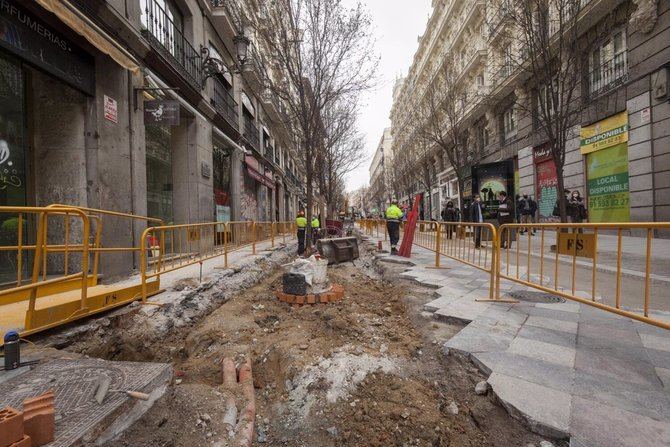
pixel 33 40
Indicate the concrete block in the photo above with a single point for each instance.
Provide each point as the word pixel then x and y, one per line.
pixel 661 129
pixel 573 169
pixel 598 424
pixel 544 410
pixel 640 150
pixel 547 352
pixel 650 341
pixel 638 103
pixel 642 198
pixel 573 157
pixel 662 179
pixel 645 214
pixel 639 167
pixel 639 135
pixel 39 418
pixel 662 196
pixel 560 338
pixel 659 358
pixel 650 401
pixel 473 339
pixel 616 364
pixel 640 183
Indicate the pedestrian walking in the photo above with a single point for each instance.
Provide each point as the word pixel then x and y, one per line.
pixel 450 215
pixel 506 216
pixel 477 215
pixel 527 207
pixel 577 209
pixel 393 216
pixel 301 223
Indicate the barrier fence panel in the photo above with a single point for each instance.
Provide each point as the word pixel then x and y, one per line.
pixel 588 263
pixel 179 246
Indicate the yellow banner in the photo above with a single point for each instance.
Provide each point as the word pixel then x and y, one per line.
pixel 606 133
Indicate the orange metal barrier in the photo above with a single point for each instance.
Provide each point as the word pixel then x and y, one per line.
pixel 180 246
pixel 566 260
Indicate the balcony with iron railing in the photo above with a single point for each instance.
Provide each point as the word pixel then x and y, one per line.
pixel 251 133
pixel 255 67
pixel 228 14
pixel 224 104
pixel 168 40
pixel 608 75
pixel 503 73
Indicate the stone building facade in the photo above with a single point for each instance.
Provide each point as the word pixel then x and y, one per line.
pixel 76 78
pixel 624 88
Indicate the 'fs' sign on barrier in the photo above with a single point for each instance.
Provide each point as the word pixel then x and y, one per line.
pixel 578 244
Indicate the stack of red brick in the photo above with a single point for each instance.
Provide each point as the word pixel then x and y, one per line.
pixel 33 427
pixel 336 293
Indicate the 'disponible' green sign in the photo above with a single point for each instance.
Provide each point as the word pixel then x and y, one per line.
pixel 607 172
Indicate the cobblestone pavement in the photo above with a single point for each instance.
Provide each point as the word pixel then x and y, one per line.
pixel 565 368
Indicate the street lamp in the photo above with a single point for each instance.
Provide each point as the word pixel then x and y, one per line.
pixel 212 66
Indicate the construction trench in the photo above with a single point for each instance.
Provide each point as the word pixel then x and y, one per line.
pixel 364 370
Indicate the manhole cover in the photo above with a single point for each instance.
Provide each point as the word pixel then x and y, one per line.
pixel 535 297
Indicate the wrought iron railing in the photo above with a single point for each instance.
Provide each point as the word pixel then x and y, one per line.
pixel 608 75
pixel 225 104
pixel 502 74
pixel 165 36
pixel 251 133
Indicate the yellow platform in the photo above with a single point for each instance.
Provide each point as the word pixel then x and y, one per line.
pixel 61 308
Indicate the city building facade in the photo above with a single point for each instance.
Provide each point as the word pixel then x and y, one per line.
pixel 381 172
pixel 151 107
pixel 623 91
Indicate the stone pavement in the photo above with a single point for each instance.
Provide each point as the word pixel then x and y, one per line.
pixel 564 368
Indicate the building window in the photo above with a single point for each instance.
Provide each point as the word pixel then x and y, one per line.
pixel 608 64
pixel 509 123
pixel 165 22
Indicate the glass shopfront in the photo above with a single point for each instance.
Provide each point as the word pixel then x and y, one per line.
pixel 13 191
pixel 159 173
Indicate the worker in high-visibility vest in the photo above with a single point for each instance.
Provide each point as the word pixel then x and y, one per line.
pixel 393 218
pixel 301 223
pixel 315 229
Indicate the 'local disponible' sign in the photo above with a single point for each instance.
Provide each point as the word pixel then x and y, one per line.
pixel 161 112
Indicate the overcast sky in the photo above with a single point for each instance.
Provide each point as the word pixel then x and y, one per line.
pixel 396 28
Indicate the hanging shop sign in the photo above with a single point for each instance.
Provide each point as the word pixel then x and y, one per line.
pixel 161 112
pixel 606 133
pixel 36 42
pixel 607 173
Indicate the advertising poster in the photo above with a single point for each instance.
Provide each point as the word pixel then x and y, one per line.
pixel 603 134
pixel 547 190
pixel 607 173
pixel 490 179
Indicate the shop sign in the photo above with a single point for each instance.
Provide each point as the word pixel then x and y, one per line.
pixel 34 41
pixel 160 112
pixel 607 173
pixel 546 189
pixel 645 115
pixel 111 109
pixel 606 133
pixel 205 170
pixel 542 153
pixel 576 244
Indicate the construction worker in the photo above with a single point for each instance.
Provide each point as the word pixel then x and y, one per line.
pixel 301 223
pixel 315 229
pixel 393 217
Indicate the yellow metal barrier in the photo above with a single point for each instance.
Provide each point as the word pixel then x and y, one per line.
pixel 180 246
pixel 56 243
pixel 568 261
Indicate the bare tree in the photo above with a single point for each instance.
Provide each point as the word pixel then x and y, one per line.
pixel 443 126
pixel 323 53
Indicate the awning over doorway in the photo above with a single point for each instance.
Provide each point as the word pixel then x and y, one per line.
pixel 253 169
pixel 69 15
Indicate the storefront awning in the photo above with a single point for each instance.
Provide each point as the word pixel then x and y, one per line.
pixel 253 169
pixel 69 15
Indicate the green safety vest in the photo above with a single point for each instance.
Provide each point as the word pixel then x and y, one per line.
pixel 301 222
pixel 315 223
pixel 393 212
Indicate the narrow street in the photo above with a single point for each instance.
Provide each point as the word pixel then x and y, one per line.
pixel 368 371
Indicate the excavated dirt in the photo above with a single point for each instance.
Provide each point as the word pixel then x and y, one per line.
pixel 368 371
